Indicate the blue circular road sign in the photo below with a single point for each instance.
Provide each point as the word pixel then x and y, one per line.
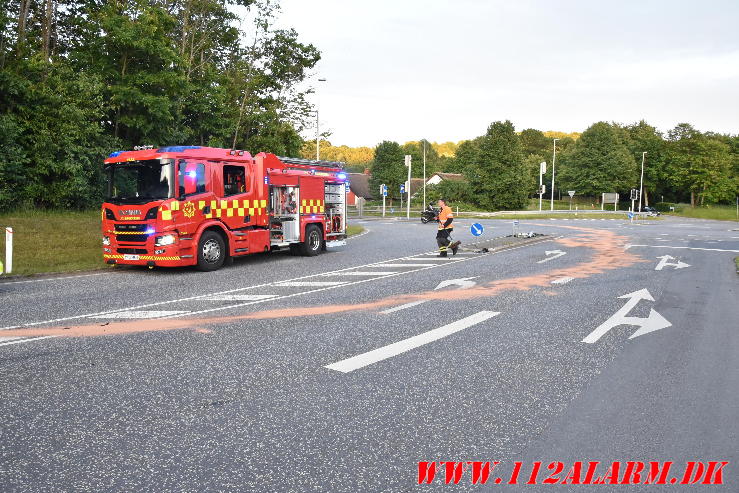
pixel 477 229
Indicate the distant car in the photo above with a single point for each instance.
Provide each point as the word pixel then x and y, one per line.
pixel 649 211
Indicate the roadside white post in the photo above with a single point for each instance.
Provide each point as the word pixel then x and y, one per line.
pixel 572 193
pixel 542 170
pixel 383 192
pixel 8 250
pixel 554 159
pixel 641 181
pixel 408 191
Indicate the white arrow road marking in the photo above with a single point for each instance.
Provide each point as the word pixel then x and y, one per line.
pixel 463 283
pixel 664 262
pixel 554 253
pixel 365 359
pixel 562 280
pixel 653 322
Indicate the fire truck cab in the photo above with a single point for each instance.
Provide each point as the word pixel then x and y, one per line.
pixel 202 206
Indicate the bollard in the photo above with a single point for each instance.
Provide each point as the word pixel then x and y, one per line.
pixel 8 250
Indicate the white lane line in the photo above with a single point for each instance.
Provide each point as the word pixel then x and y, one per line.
pixel 562 280
pixel 309 284
pixel 402 265
pixel 246 303
pixel 403 307
pixel 142 314
pixel 361 273
pixel 371 357
pixel 25 339
pixel 55 278
pixel 685 248
pixel 239 297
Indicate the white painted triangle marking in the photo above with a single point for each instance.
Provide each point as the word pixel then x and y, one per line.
pixel 308 284
pixel 239 297
pixel 141 314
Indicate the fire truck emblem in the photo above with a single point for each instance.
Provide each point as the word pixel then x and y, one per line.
pixel 188 209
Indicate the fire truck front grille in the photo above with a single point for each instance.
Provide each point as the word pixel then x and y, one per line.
pixel 134 251
pixel 130 227
pixel 132 238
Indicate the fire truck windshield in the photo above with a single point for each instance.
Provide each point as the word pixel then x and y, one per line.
pixel 138 182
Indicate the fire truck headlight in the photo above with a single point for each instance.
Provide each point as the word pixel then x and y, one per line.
pixel 106 240
pixel 164 240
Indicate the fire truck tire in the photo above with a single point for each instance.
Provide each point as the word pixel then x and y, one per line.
pixel 211 251
pixel 313 241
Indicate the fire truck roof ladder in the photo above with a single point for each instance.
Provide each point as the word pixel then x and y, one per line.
pixel 310 162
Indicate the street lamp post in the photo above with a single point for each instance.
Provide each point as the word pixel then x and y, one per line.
pixel 424 173
pixel 554 159
pixel 641 181
pixel 318 133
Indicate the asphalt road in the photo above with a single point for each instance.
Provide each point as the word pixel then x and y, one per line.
pixel 341 372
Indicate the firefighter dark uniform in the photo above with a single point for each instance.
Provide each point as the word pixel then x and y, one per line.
pixel 445 230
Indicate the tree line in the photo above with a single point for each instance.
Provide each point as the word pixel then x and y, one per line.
pixel 81 78
pixel 501 167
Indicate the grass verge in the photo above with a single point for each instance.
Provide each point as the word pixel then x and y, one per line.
pixel 61 241
pixel 54 241
pixel 352 230
pixel 716 212
pixel 736 261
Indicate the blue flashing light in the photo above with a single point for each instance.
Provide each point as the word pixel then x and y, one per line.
pixel 176 148
pixel 149 231
pixel 192 174
pixel 341 176
pixel 115 153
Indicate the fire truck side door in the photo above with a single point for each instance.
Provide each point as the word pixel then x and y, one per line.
pixel 236 208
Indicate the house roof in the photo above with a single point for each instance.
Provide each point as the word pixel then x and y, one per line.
pixel 450 176
pixel 359 184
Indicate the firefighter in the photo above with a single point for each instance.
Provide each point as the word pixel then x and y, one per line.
pixel 445 230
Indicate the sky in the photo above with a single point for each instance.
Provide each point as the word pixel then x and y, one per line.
pixel 404 70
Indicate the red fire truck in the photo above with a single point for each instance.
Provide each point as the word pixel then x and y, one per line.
pixel 202 206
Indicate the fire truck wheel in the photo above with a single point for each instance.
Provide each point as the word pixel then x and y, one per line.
pixel 313 241
pixel 211 251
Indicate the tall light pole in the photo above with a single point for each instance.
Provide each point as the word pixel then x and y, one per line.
pixel 318 133
pixel 554 159
pixel 408 185
pixel 424 173
pixel 641 181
